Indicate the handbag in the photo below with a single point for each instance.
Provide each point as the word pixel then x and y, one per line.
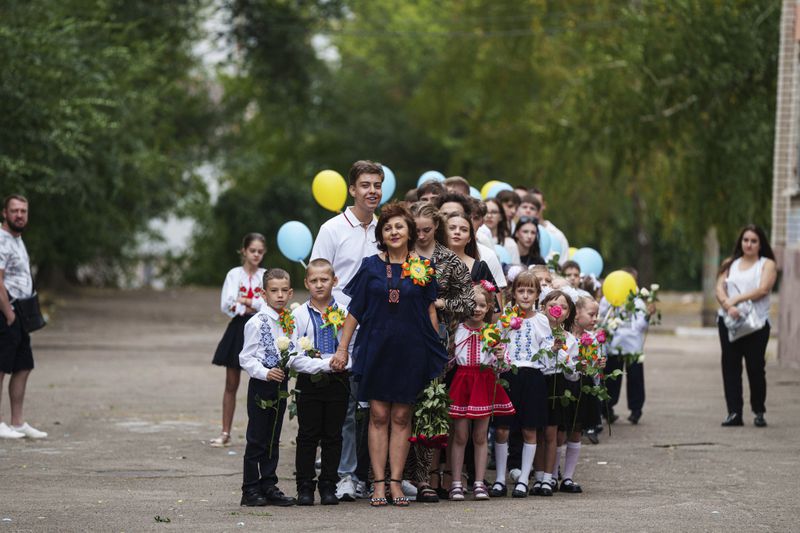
pixel 748 322
pixel 29 313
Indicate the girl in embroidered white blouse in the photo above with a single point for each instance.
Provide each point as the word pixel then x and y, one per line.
pixel 242 297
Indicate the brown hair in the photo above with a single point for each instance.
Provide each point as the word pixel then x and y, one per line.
pixel 428 210
pixel 471 248
pixel 457 182
pixel 320 262
pixel 531 199
pixel 570 264
pixel 480 289
pixel 389 211
pixel 583 301
pixel 276 273
pixel 764 249
pixel 22 199
pixel 364 167
pixel 431 186
pixel 525 279
pixel 411 196
pixel 508 196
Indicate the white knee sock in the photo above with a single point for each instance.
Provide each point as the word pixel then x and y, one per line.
pixel 501 460
pixel 571 459
pixel 528 451
pixel 559 451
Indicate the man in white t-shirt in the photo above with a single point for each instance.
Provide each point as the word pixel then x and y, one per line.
pixel 16 356
pixel 345 240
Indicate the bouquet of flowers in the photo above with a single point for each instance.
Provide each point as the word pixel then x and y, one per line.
pixel 432 417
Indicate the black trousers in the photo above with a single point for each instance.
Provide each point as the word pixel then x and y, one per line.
pixel 634 382
pixel 261 452
pixel 753 349
pixel 362 443
pixel 321 409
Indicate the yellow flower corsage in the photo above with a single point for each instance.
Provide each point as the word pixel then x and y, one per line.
pixel 286 320
pixel 490 336
pixel 419 270
pixel 333 317
pixel 509 313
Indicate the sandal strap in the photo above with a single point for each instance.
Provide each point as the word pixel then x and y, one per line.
pixel 395 481
pixel 498 484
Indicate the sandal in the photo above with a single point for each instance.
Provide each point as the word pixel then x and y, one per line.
pixel 223 441
pixel 456 493
pixel 400 501
pixel 426 494
pixel 516 493
pixel 479 491
pixel 379 502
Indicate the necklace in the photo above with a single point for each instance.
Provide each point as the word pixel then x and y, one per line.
pixel 392 283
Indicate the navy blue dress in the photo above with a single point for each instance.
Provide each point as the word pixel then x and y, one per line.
pixel 397 352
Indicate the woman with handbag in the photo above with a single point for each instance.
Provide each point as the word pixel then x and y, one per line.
pixel 744 284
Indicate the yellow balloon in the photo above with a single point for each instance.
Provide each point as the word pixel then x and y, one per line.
pixel 572 251
pixel 486 186
pixel 329 190
pixel 617 286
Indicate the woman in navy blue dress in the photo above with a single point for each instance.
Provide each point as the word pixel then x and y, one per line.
pixel 397 350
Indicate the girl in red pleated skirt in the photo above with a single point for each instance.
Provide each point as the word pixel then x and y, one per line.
pixel 476 395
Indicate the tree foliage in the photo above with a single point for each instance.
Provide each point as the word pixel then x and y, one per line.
pixel 102 120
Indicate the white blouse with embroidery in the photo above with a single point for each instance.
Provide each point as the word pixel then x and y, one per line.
pixel 237 284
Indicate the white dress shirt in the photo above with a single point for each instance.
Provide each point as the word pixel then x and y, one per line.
pixel 260 351
pixel 629 336
pixel 238 283
pixel 306 328
pixel 345 242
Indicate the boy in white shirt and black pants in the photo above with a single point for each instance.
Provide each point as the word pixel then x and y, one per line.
pixel 260 358
pixel 322 400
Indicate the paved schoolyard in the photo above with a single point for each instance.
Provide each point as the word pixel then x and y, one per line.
pixel 125 388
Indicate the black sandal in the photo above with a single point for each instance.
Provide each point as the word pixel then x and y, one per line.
pixel 520 493
pixel 442 492
pixel 379 502
pixel 499 490
pixel 426 494
pixel 400 501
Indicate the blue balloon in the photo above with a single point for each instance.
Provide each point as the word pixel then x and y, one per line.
pixel 295 240
pixel 389 184
pixel 496 188
pixel 475 193
pixel 502 254
pixel 430 175
pixel 590 261
pixel 545 241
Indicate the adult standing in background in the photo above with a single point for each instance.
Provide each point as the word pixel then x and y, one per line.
pixel 16 356
pixel 345 240
pixel 743 286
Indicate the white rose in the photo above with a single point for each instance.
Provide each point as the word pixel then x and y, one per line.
pixel 293 306
pixel 654 287
pixel 306 344
pixel 645 293
pixel 641 358
pixel 283 343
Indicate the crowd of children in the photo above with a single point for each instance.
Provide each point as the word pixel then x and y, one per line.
pixel 531 365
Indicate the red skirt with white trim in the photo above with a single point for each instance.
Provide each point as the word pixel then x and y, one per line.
pixel 475 393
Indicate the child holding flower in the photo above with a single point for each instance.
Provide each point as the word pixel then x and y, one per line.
pixel 321 400
pixel 560 357
pixel 527 389
pixel 475 392
pixel 268 337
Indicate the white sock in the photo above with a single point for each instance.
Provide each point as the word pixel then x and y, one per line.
pixel 528 451
pixel 559 451
pixel 571 459
pixel 501 460
pixel 538 475
pixel 548 478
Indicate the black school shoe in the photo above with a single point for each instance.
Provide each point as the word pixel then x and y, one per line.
pixel 305 493
pixel 570 487
pixel 277 498
pixel 759 421
pixel 635 416
pixel 734 419
pixel 327 493
pixel 253 498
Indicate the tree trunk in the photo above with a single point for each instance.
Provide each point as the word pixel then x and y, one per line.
pixel 644 244
pixel 710 267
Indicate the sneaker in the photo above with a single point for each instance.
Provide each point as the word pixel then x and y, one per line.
pixel 362 490
pixel 30 432
pixel 514 474
pixel 409 490
pixel 346 489
pixel 7 433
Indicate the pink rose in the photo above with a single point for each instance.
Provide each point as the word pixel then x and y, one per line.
pixel 515 323
pixel 601 336
pixel 555 311
pixel 586 339
pixel 488 286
